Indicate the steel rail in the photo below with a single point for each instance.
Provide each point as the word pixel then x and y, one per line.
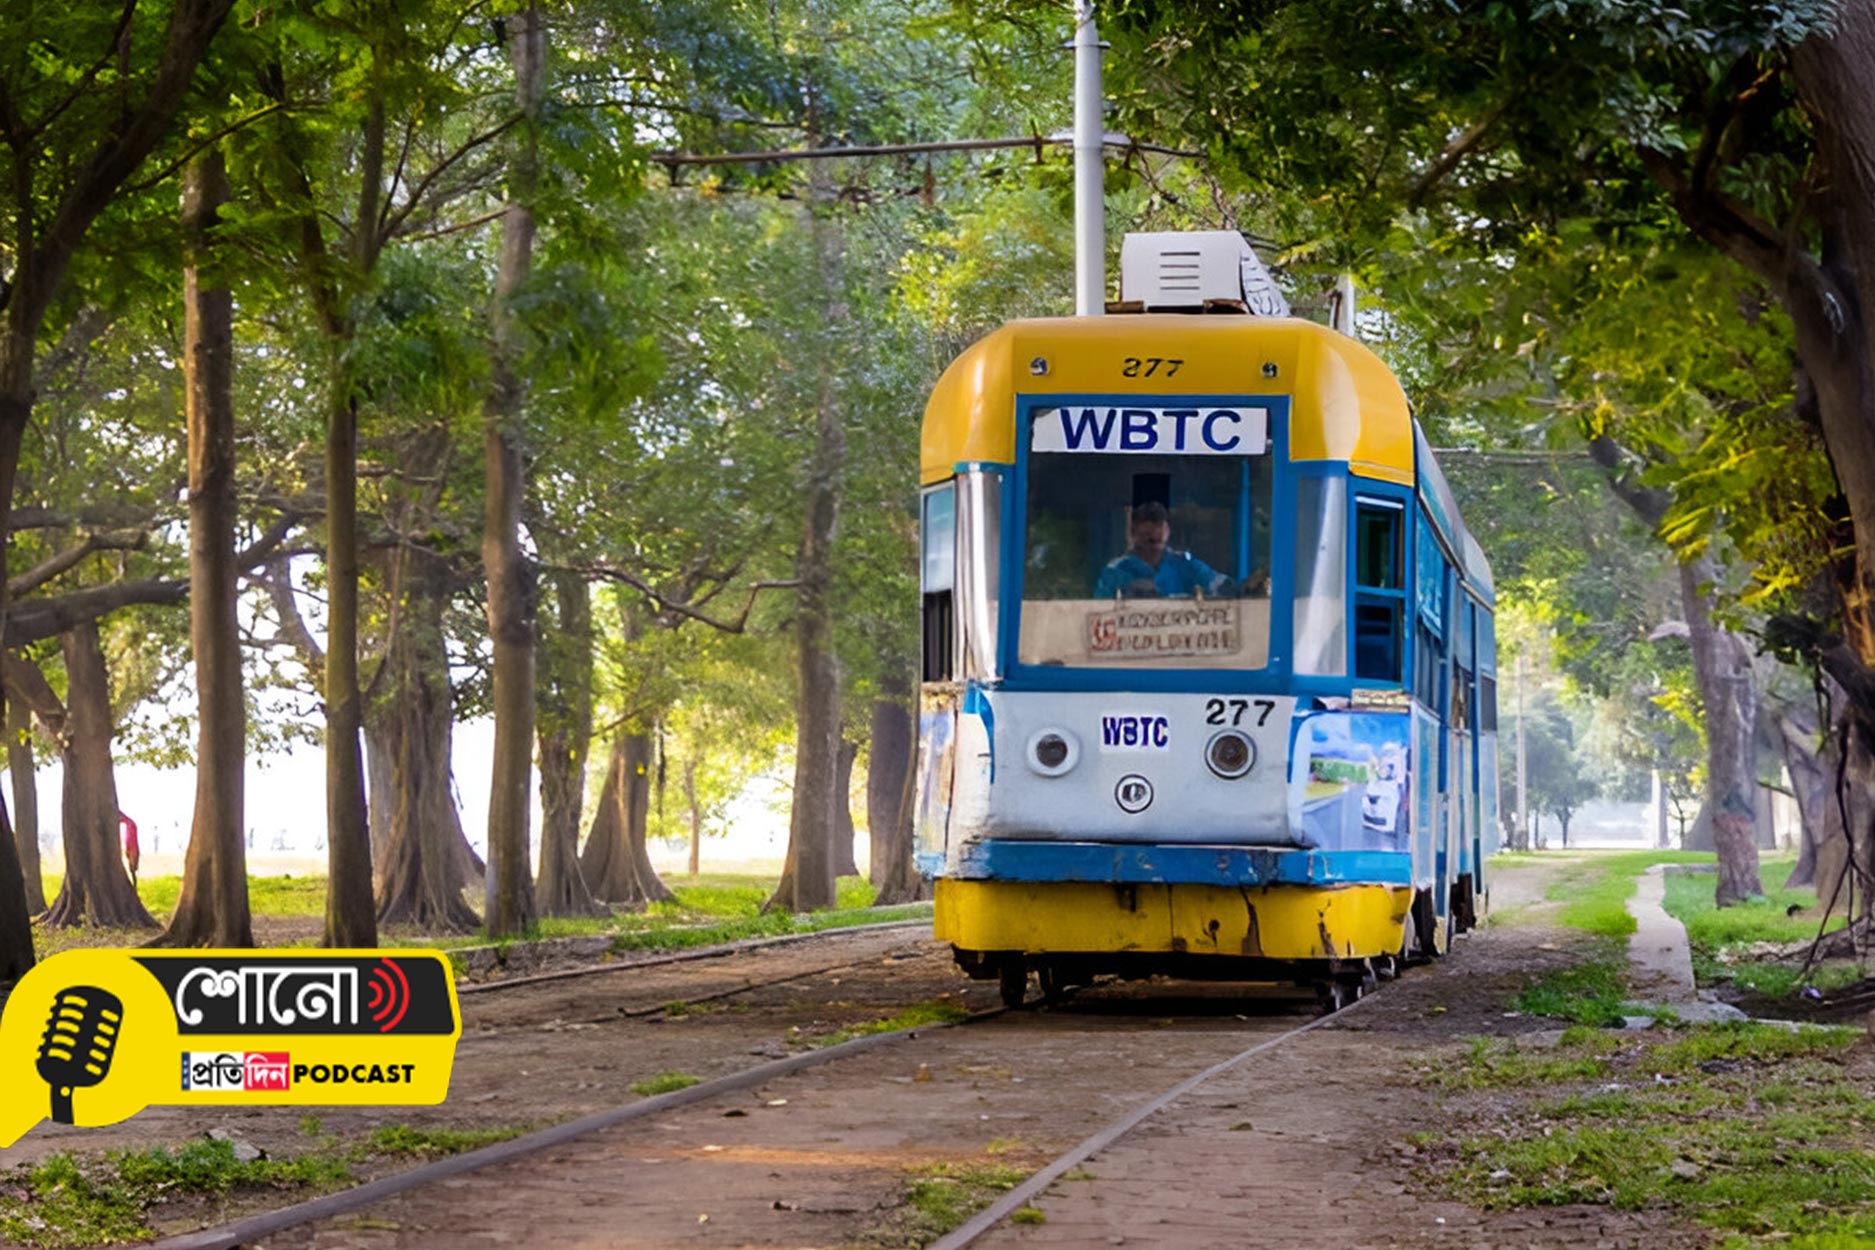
pixel 685 956
pixel 984 1221
pixel 244 1232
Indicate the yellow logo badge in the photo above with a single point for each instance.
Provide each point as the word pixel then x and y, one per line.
pixel 92 1037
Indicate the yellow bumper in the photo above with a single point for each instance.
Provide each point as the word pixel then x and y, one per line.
pixel 1269 922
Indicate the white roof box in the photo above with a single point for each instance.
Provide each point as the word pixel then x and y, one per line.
pixel 1197 271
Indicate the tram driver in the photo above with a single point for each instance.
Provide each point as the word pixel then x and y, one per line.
pixel 1152 568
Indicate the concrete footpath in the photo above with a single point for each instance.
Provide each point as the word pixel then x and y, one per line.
pixel 1659 957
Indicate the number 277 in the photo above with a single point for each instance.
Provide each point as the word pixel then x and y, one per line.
pixel 1231 711
pixel 1148 366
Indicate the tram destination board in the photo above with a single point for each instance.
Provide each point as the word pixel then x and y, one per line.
pixel 1187 629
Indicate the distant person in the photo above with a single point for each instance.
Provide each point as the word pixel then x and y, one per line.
pixel 1152 567
pixel 133 854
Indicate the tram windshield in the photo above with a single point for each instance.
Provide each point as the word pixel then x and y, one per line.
pixel 1146 560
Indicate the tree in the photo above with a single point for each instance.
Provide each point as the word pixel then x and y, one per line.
pixel 1561 780
pixel 70 149
pixel 212 909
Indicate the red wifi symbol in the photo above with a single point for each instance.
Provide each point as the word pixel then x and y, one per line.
pixel 390 995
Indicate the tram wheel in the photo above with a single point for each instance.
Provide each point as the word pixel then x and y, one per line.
pixel 1013 981
pixel 1333 994
pixel 1054 988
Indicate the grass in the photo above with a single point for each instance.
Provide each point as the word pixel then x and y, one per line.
pixel 708 910
pixel 941 1196
pixel 1594 891
pixel 1755 1130
pixel 69 1202
pixel 932 1013
pixel 404 1141
pixel 1720 936
pixel 1593 992
pixel 664 1083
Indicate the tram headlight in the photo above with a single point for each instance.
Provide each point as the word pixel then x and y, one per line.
pixel 1053 752
pixel 1230 754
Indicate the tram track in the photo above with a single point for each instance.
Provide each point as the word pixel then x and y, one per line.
pixel 532 1146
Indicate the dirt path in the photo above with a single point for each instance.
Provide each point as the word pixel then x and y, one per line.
pixel 1305 1145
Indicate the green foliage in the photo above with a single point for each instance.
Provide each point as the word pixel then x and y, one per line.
pixel 664 1083
pixel 408 1141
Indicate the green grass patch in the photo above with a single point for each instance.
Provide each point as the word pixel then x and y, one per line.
pixel 73 1202
pixel 941 1196
pixel 1593 993
pixel 913 1017
pixel 664 1083
pixel 1720 935
pixel 1027 1215
pixel 1749 1128
pixel 779 924
pixel 1594 891
pixel 1581 1055
pixel 401 1140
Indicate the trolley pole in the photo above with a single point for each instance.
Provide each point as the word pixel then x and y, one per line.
pixel 1090 136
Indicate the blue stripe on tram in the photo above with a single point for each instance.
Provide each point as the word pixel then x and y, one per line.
pixel 1004 860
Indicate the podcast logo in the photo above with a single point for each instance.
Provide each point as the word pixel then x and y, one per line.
pixel 110 1032
pixel 228 1069
pixel 75 1051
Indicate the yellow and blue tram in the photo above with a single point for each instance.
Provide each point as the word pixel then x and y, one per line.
pixel 1267 753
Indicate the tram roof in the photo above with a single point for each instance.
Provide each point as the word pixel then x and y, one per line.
pixel 1344 403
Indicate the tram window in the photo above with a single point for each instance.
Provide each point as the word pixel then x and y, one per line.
pixel 1380 597
pixel 1321 643
pixel 1377 546
pixel 939 636
pixel 937 575
pixel 1146 560
pixel 1426 657
pixel 939 539
pixel 1377 640
pixel 1487 705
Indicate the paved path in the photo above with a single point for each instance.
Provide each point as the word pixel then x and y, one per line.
pixel 1660 961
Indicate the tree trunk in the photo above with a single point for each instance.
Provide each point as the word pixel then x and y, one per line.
pixel 889 790
pixel 1728 695
pixel 97 889
pixel 696 815
pixel 510 909
pixel 563 720
pixel 423 875
pixel 212 909
pixel 380 765
pixel 844 834
pixel 25 800
pixel 607 863
pixel 637 817
pixel 807 878
pixel 1811 777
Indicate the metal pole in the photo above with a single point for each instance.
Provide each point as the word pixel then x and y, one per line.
pixel 1090 133
pixel 1523 798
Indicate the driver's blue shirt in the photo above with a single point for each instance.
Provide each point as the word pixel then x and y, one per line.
pixel 1179 573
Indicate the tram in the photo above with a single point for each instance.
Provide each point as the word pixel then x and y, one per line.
pixel 1209 681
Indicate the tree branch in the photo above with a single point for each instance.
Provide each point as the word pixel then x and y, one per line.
pixel 53 565
pixel 1455 151
pixel 611 574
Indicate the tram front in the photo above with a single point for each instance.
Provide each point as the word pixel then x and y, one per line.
pixel 1163 725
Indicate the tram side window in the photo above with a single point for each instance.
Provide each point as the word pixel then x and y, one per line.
pixel 1379 590
pixel 1426 656
pixel 1487 705
pixel 937 576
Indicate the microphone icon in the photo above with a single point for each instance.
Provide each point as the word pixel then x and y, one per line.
pixel 75 1052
